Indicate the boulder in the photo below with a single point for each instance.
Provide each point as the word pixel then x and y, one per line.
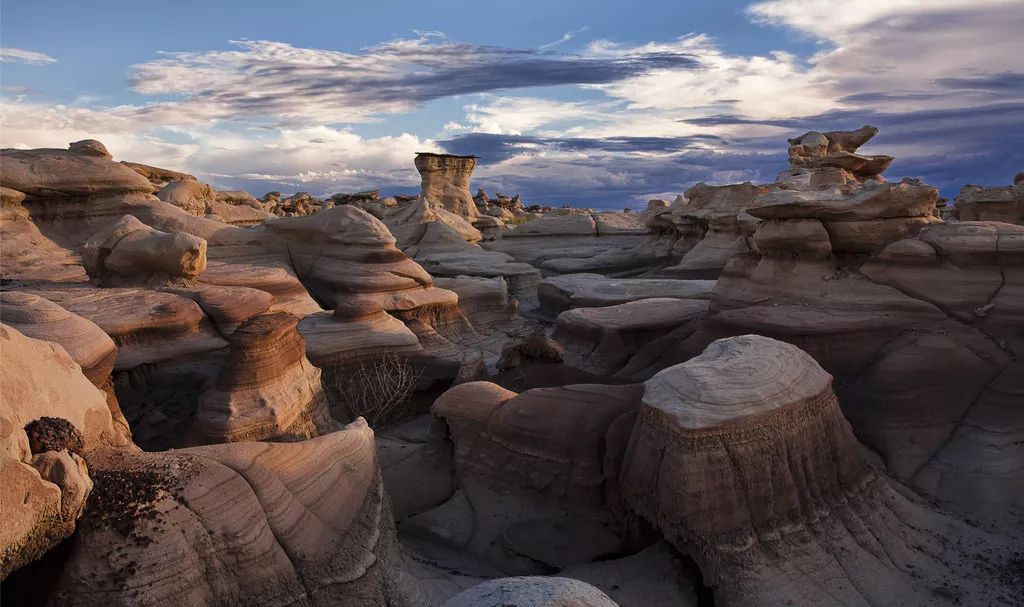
pixel 131 250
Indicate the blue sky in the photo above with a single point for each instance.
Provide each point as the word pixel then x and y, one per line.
pixel 587 103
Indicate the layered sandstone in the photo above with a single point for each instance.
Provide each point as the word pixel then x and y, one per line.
pixel 560 293
pixel 303 521
pixel 267 388
pixel 700 231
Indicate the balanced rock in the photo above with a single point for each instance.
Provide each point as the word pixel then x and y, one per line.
pixel 267 388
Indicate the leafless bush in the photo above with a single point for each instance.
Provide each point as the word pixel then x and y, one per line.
pixel 380 390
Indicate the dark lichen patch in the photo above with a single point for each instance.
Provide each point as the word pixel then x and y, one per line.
pixel 54 434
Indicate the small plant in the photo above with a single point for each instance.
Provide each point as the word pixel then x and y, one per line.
pixel 380 390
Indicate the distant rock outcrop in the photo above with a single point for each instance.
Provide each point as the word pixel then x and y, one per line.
pixel 1006 203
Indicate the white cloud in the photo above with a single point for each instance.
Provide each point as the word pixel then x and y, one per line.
pixel 17 55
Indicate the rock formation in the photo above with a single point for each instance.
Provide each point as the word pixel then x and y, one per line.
pixel 626 339
pixel 45 488
pixel 531 592
pixel 561 293
pixel 702 230
pixel 131 250
pixel 445 181
pixel 753 422
pixel 267 388
pixel 1005 204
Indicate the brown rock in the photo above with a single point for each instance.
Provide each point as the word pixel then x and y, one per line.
pixel 445 181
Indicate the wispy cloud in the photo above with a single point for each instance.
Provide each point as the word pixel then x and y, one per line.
pixel 567 36
pixel 17 55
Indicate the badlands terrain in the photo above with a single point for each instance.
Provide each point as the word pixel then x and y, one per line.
pixel 806 392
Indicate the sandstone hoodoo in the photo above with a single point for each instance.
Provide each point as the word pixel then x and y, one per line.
pixel 799 392
pixel 445 181
pixel 267 388
pixel 742 458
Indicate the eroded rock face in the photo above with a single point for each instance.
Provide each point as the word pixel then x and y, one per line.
pixel 267 388
pixel 445 181
pixel 44 476
pixel 743 459
pixel 302 520
pixel 704 228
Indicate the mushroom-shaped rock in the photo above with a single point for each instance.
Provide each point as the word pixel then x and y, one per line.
pixel 531 591
pixel 131 249
pixel 743 459
pixel 267 388
pixel 445 181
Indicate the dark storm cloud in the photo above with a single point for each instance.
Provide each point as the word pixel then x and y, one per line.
pixel 276 79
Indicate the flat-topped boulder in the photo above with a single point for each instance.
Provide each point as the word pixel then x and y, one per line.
pixel 157 176
pixel 55 173
pixel 568 225
pixel 608 340
pixel 357 330
pixel 267 388
pixel 560 293
pixel 146 325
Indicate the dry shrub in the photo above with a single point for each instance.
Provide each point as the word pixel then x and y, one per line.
pixel 380 390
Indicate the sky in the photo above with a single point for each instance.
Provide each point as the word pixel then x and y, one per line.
pixel 587 103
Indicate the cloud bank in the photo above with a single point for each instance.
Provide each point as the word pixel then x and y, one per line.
pixel 609 125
